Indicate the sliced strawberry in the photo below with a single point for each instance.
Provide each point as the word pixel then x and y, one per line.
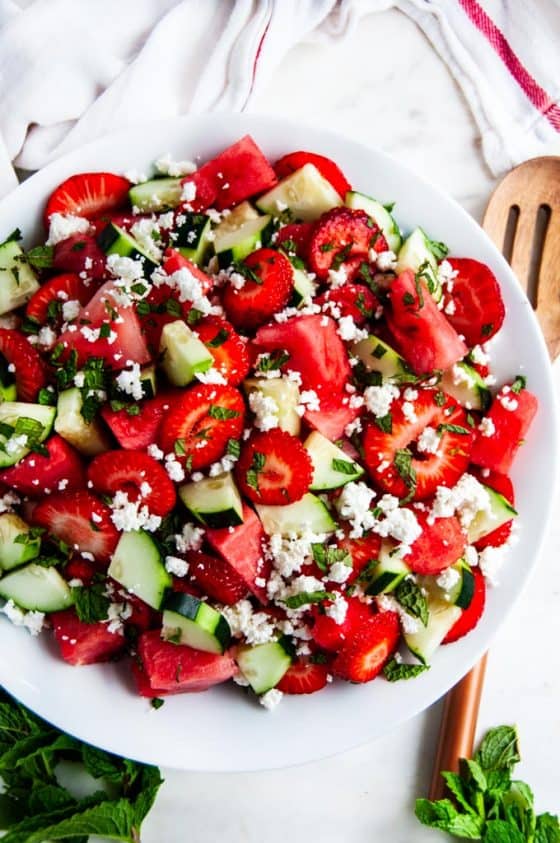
pixel 329 170
pixel 424 336
pixel 258 300
pixel 294 238
pixel 424 471
pixel 80 253
pixel 80 520
pixel 242 548
pixel 88 195
pixel 62 468
pixel 341 234
pixel 84 643
pixel 303 677
pixel 471 616
pixel 503 485
pixel 137 474
pixel 135 432
pixel 274 468
pixel 45 305
pixel 362 551
pixel 352 300
pixel 200 423
pixel 438 546
pixel 511 415
pixel 231 358
pixel 216 578
pixel 479 309
pixel 80 569
pixel 363 656
pixel 330 635
pixel 30 371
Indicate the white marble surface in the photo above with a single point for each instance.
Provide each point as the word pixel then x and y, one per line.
pixel 388 88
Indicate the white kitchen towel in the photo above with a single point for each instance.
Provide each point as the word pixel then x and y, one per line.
pixel 73 70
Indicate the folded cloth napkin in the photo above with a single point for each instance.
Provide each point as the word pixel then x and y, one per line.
pixel 73 70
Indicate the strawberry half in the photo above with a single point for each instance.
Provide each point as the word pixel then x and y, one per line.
pixel 362 551
pixel 303 677
pixel 30 371
pixel 479 309
pixel 231 358
pixel 267 289
pixel 438 546
pixel 363 656
pixel 137 474
pixel 88 195
pixel 341 234
pixel 216 577
pixel 80 520
pixel 46 304
pixel 294 238
pixel 470 616
pixel 332 636
pixel 392 456
pixel 35 473
pixel 352 300
pixel 274 468
pixel 199 424
pixel 329 170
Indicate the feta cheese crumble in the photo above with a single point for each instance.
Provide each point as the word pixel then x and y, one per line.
pixel 271 699
pixel 129 381
pixel 176 566
pixel 379 399
pixel 63 226
pixel 266 410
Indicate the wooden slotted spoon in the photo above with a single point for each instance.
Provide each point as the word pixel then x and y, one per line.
pixel 523 220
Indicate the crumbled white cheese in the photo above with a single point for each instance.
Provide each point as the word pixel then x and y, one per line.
pixel 129 515
pixel 308 401
pixel 337 609
pixel 339 572
pixel 190 538
pixel 177 566
pixel 487 427
pixel 349 331
pixel 409 411
pixel 175 470
pixel 379 398
pixel 130 381
pixel 46 337
pixel 461 376
pixel 400 524
pixel 188 193
pixel 508 403
pixel 8 500
pixel 354 505
pixel 188 287
pixel 446 274
pixel 450 308
pixel 471 555
pixel 175 169
pixel 63 226
pixel 146 233
pixel 32 621
pixel 154 451
pixel 479 355
pixel 410 394
pixel 271 699
pixel 353 427
pixel 491 560
pixel 429 441
pixel 386 261
pixel 125 268
pixel 15 444
pixel 244 622
pixel 211 376
pixel 448 579
pixel 266 410
pixel 466 498
pixel 70 310
pixel 338 277
pixel 387 603
pixel 288 553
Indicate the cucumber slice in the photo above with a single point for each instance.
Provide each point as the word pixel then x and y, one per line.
pixel 305 193
pixel 415 253
pixel 377 356
pixel 148 381
pixel 183 354
pixel 486 521
pixel 286 395
pixel 304 288
pixel 332 468
pixel 18 419
pixel 114 240
pixel 231 222
pixel 36 589
pixel 379 214
pixel 188 620
pixel 156 195
pixel 137 565
pixel 193 236
pixel 236 244
pixel 89 438
pixel 389 571
pixel 18 281
pixel 214 501
pixel 17 543
pixel 264 665
pixel 309 513
pixel 469 389
pixel 424 642
pixel 460 593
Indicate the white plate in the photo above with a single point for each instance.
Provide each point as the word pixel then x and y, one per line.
pixel 223 730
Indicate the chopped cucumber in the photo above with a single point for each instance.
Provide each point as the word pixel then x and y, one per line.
pixel 332 468
pixel 188 620
pixel 379 214
pixel 304 288
pixel 17 543
pixel 148 381
pixel 234 220
pixel 424 642
pixel 214 501
pixel 137 565
pixel 234 245
pixel 19 420
pixel 415 254
pixel 264 665
pixel 37 589
pixel 461 591
pixel 309 513
pixel 90 438
pixel 114 240
pixel 183 354
pixel 286 395
pixel 305 193
pixel 467 387
pixel 486 521
pixel 8 389
pixel 156 195
pixel 389 571
pixel 377 356
pixel 193 237
pixel 18 281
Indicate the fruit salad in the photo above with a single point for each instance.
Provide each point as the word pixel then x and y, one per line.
pixel 249 429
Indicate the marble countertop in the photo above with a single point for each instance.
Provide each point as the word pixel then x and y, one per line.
pixel 386 87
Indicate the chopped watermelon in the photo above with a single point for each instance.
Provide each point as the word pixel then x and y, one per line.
pixel 84 643
pixel 241 547
pixel 511 415
pixel 136 432
pixel 332 418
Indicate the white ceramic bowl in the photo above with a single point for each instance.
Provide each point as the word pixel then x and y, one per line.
pixel 223 730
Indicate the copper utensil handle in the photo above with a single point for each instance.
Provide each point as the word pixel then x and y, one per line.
pixel 458 725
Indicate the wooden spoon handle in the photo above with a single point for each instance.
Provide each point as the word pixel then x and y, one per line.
pixel 458 726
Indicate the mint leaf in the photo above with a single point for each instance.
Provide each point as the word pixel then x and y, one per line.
pixel 547 829
pixel 306 597
pixel 410 596
pixel 324 557
pixel 257 465
pixel 233 448
pixel 40 257
pixel 445 816
pixel 499 750
pixel 91 603
pixel 221 413
pixel 385 423
pixel 500 831
pixel 394 671
pixel 221 337
pixel 519 384
pixel 403 463
pixel 344 466
pixel 273 361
